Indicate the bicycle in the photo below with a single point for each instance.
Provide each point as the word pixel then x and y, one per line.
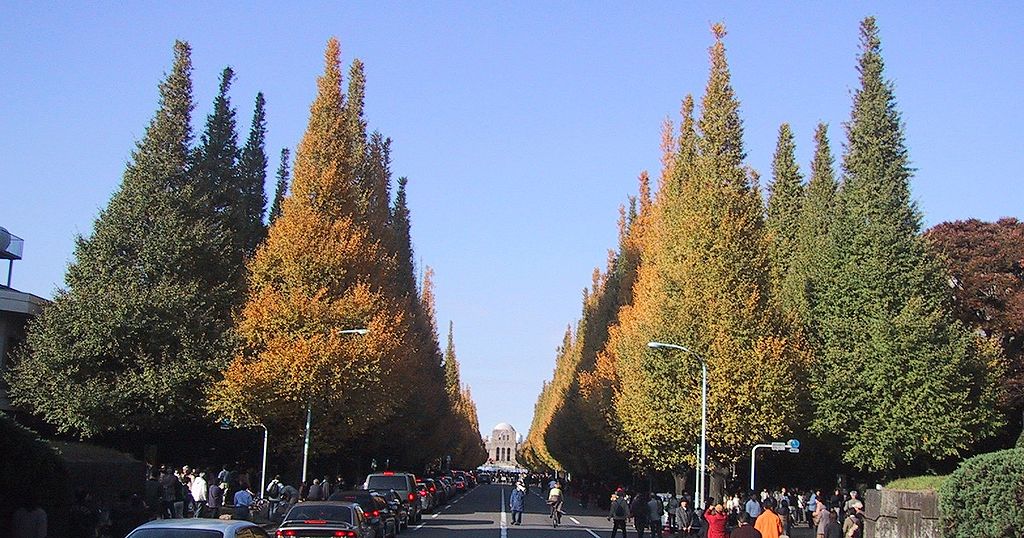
pixel 556 512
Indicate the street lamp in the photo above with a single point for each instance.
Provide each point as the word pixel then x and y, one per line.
pixel 226 425
pixel 309 412
pixel 703 452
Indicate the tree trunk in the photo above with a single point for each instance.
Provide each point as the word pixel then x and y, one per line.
pixel 681 481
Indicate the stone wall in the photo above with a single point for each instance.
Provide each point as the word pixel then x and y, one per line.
pixel 891 513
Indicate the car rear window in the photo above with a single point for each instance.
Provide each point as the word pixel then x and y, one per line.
pixel 320 512
pixel 399 482
pixel 175 533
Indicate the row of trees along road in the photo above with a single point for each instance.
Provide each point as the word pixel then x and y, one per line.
pixel 183 307
pixel 821 315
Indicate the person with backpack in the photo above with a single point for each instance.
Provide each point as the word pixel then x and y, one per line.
pixel 274 493
pixel 619 512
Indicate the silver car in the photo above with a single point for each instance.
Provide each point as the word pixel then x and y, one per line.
pixel 198 528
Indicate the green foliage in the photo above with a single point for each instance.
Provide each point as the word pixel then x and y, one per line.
pixel 983 497
pixel 281 187
pixel 887 341
pixel 807 268
pixel 251 199
pixel 703 283
pixel 782 225
pixel 33 467
pixel 141 326
pixel 918 483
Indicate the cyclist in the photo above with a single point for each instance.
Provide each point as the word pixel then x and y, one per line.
pixel 555 502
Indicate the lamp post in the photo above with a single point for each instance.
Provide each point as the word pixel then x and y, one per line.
pixel 226 425
pixel 703 452
pixel 309 412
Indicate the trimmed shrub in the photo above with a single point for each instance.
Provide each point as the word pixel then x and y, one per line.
pixel 35 471
pixel 984 497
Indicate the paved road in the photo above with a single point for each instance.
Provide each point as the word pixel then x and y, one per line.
pixel 483 512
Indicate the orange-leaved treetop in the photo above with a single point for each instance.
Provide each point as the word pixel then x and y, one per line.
pixel 319 273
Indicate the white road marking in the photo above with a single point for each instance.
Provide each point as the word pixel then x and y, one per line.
pixel 574 520
pixel 420 526
pixel 435 515
pixel 504 521
pixel 592 533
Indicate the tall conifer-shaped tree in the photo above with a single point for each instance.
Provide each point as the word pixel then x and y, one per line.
pixel 703 284
pixel 900 382
pixel 281 186
pixel 314 277
pixel 785 198
pixel 813 226
pixel 140 325
pixel 252 178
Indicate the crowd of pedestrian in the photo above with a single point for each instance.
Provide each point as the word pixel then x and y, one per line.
pixel 758 515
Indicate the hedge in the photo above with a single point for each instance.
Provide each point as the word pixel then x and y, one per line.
pixel 984 497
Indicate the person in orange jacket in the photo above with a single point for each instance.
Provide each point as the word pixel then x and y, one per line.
pixel 769 523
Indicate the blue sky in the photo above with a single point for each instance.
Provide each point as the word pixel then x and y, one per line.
pixel 521 126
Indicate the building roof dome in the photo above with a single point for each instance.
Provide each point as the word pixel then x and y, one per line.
pixel 504 426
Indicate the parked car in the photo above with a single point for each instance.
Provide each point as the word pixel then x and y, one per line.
pixel 449 486
pixel 326 518
pixel 397 506
pixel 428 501
pixel 460 484
pixel 206 528
pixel 437 489
pixel 375 508
pixel 403 483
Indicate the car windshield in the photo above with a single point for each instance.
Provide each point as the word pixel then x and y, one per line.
pixel 320 512
pixel 386 482
pixel 175 533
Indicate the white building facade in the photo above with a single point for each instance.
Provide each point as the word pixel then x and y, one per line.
pixel 502 446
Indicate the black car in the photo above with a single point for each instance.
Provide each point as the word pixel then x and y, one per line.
pixel 375 508
pixel 326 518
pixel 396 505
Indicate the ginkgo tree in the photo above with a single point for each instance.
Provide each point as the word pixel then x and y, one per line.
pixel 315 277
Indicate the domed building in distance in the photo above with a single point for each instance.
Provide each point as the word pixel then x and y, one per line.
pixel 502 446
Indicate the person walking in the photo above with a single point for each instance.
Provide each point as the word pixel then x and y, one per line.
pixel 686 518
pixel 656 510
pixel 673 505
pixel 618 512
pixel 243 501
pixel 200 491
pixel 273 493
pixel 716 518
pixel 640 513
pixel 515 503
pixel 832 527
pixel 744 529
pixel 821 517
pixel 769 524
pixel 753 507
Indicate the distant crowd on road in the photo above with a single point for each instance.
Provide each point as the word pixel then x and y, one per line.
pixel 757 515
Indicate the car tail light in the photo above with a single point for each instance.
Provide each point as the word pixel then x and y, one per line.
pixel 315 521
pixel 412 497
pixel 433 489
pixel 423 493
pixel 286 533
pixel 375 513
pixel 389 473
pixel 345 533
